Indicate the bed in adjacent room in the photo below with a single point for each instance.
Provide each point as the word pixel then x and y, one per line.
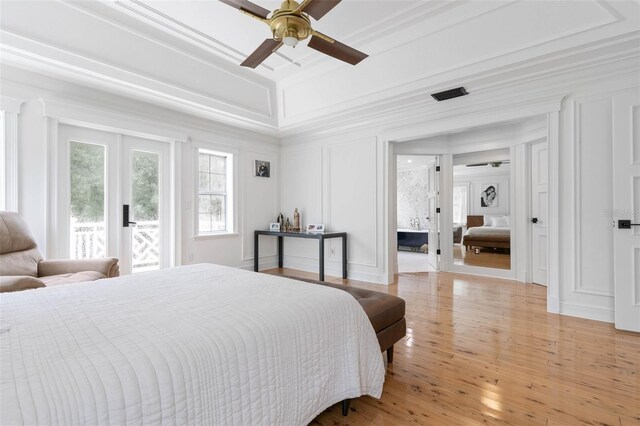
pixel 201 344
pixel 487 232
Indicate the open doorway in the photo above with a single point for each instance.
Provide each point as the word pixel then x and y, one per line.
pixel 481 209
pixel 492 178
pixel 417 217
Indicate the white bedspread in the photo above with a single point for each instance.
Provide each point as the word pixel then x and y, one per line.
pixel 488 230
pixel 201 344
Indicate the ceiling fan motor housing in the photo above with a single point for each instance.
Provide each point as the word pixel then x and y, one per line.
pixel 286 22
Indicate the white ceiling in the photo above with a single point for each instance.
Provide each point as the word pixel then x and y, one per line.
pixel 233 36
pixel 185 55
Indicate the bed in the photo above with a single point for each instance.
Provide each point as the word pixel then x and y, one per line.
pixel 201 344
pixel 480 235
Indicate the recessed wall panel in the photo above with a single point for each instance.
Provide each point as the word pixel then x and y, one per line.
pixel 352 192
pixel 595 180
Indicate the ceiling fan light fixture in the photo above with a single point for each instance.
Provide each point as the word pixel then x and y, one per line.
pixel 290 41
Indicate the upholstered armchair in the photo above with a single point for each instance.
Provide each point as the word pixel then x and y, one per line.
pixel 22 266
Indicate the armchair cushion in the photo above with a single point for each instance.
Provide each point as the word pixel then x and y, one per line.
pixel 20 262
pixel 70 278
pixel 108 267
pixel 14 234
pixel 18 282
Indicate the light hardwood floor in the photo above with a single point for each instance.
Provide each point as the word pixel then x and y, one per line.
pixel 486 257
pixel 485 351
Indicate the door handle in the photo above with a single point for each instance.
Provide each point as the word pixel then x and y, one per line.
pixel 534 220
pixel 626 224
pixel 125 217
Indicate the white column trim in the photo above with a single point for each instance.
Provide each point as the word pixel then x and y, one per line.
pixel 553 280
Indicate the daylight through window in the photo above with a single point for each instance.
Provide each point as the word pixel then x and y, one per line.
pixel 213 192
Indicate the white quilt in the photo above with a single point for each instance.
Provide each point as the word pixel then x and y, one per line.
pixel 488 230
pixel 201 345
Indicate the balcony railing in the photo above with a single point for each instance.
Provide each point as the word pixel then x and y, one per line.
pixel 88 240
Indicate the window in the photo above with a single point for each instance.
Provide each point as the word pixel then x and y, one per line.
pixel 460 204
pixel 214 192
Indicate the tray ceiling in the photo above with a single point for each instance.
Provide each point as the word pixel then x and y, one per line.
pixel 233 36
pixel 186 54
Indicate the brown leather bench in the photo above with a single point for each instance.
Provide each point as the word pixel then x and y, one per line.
pixel 386 313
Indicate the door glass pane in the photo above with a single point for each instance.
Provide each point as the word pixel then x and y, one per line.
pixel 88 227
pixel 145 205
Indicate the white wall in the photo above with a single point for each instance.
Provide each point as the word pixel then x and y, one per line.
pixel 413 186
pixel 584 257
pixel 336 181
pixel 48 102
pixel 478 181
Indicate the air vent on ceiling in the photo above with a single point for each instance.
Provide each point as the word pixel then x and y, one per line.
pixel 450 94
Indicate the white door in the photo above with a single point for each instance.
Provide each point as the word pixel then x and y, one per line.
pixel 433 224
pixel 626 206
pixel 539 212
pixel 100 173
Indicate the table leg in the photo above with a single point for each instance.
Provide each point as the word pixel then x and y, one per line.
pixel 255 252
pixel 344 257
pixel 321 257
pixel 280 252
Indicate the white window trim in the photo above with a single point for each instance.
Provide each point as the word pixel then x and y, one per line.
pixel 232 188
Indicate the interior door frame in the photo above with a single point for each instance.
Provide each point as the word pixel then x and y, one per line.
pixel 393 202
pixel 549 107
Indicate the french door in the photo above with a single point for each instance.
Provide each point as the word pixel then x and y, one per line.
pixel 102 175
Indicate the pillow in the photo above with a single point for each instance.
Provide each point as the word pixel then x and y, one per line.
pixel 508 220
pixel 488 219
pixel 499 222
pixel 18 282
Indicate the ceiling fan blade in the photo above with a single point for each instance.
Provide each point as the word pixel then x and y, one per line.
pixel 261 53
pixel 246 5
pixel 477 165
pixel 318 8
pixel 337 50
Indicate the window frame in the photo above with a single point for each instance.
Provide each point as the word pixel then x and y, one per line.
pixel 229 194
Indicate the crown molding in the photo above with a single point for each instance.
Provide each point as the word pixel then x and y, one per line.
pixel 11 104
pixel 407 107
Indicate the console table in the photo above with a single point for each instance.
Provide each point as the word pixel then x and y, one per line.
pixel 318 236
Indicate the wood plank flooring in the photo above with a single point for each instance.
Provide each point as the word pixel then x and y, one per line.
pixel 487 257
pixel 485 351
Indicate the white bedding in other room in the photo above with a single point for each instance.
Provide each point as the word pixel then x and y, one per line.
pixel 201 344
pixel 488 230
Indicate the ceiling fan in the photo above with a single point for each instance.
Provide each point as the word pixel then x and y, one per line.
pixel 291 24
pixel 490 163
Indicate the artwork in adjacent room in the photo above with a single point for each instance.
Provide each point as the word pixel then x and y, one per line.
pixel 489 196
pixel 263 168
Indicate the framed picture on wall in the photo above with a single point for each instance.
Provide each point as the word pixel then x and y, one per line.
pixel 263 168
pixel 489 195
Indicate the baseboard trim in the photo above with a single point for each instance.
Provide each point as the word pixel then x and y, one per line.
pixel 333 269
pixel 553 305
pixel 591 312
